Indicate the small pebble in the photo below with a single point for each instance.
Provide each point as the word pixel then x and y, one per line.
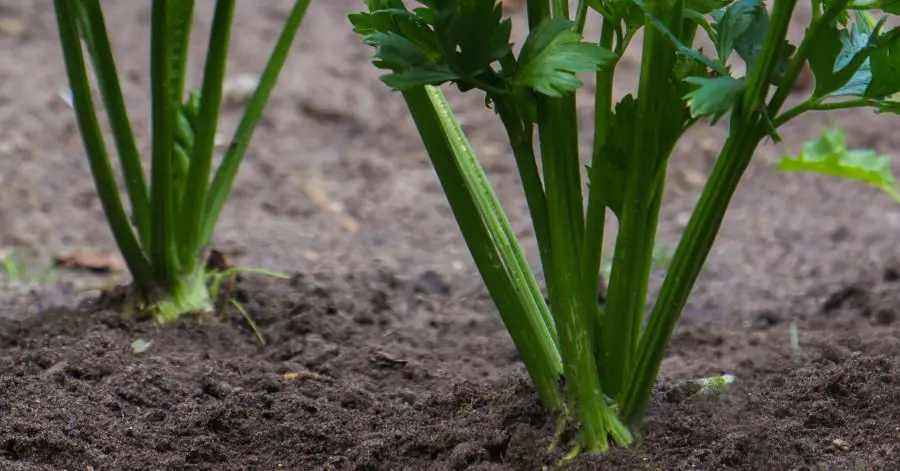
pixel 431 282
pixel 840 444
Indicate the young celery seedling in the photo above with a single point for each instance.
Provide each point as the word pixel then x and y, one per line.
pixel 594 366
pixel 174 217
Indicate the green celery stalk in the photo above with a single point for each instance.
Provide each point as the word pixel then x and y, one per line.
pixel 451 156
pixel 595 218
pixel 93 29
pixel 227 171
pixel 628 280
pixel 749 125
pixel 163 254
pixel 193 202
pixel 104 179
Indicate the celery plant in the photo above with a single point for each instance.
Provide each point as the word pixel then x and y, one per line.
pixel 596 367
pixel 172 218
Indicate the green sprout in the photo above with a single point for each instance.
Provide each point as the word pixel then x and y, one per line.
pixel 828 155
pixel 17 267
pixel 172 217
pixel 596 367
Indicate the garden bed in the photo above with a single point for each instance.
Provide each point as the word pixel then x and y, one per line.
pixel 372 371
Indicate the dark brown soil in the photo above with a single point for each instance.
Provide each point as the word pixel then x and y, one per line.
pixel 371 371
pixel 384 352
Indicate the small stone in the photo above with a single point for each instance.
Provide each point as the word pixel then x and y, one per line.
pixel 11 27
pixel 768 318
pixel 840 444
pixel 215 388
pixel 431 282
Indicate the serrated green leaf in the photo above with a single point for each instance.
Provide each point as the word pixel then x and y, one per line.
pixel 885 68
pixel 853 61
pixel 742 28
pixel 471 34
pixel 553 54
pixel 409 63
pixel 749 44
pixel 738 19
pixel 828 155
pixel 399 21
pixel 714 97
pixel 823 59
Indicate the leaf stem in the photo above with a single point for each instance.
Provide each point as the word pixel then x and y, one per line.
pixel 560 9
pixel 193 202
pixel 595 220
pixel 163 253
pixel 94 31
pixel 627 285
pixel 748 126
pixel 581 17
pixel 520 135
pixel 449 156
pixel 686 264
pixel 800 56
pixel 92 136
pixel 227 171
pixel 814 105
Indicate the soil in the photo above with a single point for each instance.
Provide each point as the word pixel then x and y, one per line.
pixel 383 351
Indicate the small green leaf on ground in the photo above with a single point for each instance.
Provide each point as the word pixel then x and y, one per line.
pixel 140 346
pixel 714 386
pixel 552 56
pixel 828 155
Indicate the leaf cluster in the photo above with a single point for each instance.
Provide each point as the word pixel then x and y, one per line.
pixel 467 43
pixel 850 57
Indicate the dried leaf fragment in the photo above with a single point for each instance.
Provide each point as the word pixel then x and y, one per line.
pixel 387 359
pixel 303 375
pixel 86 259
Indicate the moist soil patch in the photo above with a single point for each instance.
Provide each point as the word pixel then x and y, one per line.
pixel 369 371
